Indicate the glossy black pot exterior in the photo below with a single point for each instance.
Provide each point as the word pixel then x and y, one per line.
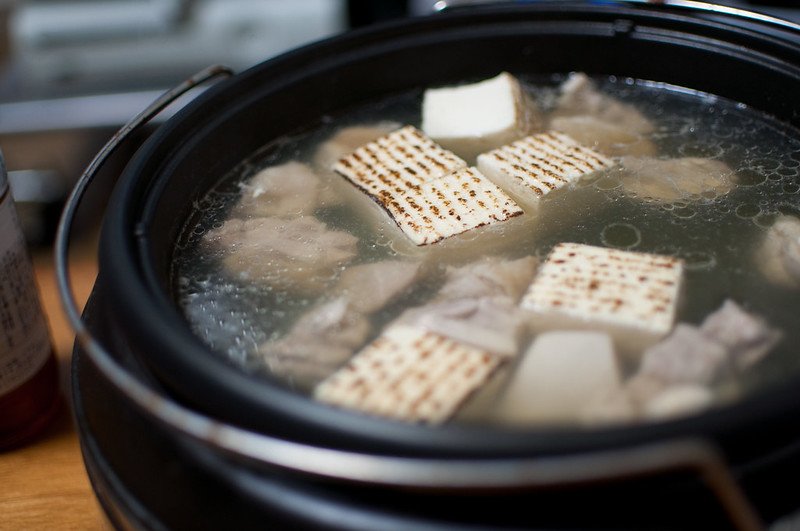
pixel 743 60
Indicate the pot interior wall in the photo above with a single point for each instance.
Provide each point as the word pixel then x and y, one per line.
pixel 233 119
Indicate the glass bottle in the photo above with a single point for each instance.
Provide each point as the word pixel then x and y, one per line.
pixel 29 394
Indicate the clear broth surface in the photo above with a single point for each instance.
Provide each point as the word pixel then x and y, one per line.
pixel 716 236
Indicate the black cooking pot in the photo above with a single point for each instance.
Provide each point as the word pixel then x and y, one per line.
pixel 221 428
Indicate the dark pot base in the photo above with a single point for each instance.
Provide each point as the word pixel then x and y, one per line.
pixel 148 477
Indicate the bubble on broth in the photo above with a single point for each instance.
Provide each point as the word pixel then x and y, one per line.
pixel 621 235
pixel 748 210
pixel 698 260
pixel 749 177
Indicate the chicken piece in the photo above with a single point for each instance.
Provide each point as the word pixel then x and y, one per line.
pixel 495 325
pixel 346 140
pixel 532 167
pixel 686 356
pixel 300 254
pixel 746 337
pixel 290 189
pixel 560 374
pixel 369 287
pixel 580 96
pixel 318 343
pixel 669 180
pixel 607 138
pixel 632 296
pixel 489 277
pixel 778 257
pixel 471 119
pixel 409 374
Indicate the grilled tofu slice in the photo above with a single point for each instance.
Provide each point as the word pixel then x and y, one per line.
pixel 396 162
pixel 447 206
pixel 428 191
pixel 471 119
pixel 632 296
pixel 409 374
pixel 533 167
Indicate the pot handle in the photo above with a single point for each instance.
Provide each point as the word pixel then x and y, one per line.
pixel 73 202
pixel 695 455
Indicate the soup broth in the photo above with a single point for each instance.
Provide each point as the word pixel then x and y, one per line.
pixel 718 235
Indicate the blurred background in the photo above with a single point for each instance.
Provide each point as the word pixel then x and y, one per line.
pixel 73 71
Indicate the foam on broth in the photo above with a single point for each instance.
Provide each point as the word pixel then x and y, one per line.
pixel 716 235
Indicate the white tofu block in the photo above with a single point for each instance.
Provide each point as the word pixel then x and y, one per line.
pixel 559 377
pixel 632 296
pixel 533 167
pixel 470 119
pixel 396 162
pixel 409 374
pixel 449 205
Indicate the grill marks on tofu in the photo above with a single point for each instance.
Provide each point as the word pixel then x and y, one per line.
pixel 450 205
pixel 409 374
pixel 395 162
pixel 428 191
pixel 540 163
pixel 608 287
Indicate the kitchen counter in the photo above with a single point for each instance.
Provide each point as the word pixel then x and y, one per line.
pixel 44 485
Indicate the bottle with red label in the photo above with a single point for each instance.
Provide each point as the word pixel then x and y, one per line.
pixel 29 394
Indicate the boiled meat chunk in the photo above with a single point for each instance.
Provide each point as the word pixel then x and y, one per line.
pixel 676 374
pixel 327 336
pixel 489 277
pixel 746 337
pixel 607 138
pixel 558 376
pixel 290 189
pixel 495 325
pixel 318 343
pixel 683 179
pixel 301 253
pixel 580 96
pixel 369 287
pixel 471 119
pixel 779 254
pixel 477 305
pixel 685 356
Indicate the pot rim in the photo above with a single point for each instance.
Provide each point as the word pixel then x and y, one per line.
pixel 125 251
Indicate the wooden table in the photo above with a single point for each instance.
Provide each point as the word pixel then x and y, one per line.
pixel 44 484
